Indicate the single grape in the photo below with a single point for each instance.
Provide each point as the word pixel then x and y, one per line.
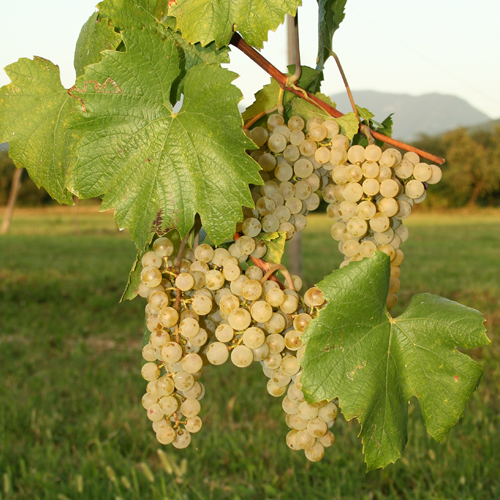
pixel 217 353
pixel 182 440
pixel 259 135
pixel 151 259
pixel 163 247
pixel 315 453
pixel 253 337
pixel 241 356
pixel 291 153
pixel 296 123
pixel 277 143
pixel 194 424
pixel 373 153
pixel 274 120
pixel 318 133
pixel 151 276
pixel 171 352
pixel 261 311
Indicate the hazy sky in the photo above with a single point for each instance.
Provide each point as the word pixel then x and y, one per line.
pixel 401 46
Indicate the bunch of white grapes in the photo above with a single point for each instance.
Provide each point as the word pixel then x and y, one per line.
pixel 293 173
pixel 204 308
pixel 369 191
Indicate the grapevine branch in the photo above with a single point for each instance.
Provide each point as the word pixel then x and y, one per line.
pixel 282 79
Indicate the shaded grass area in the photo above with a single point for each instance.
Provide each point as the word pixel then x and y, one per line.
pixel 71 422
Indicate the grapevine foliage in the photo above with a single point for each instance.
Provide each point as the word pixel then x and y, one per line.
pixel 95 36
pixel 158 168
pixel 331 14
pixel 375 363
pixel 34 114
pixel 152 127
pixel 205 21
pixel 266 98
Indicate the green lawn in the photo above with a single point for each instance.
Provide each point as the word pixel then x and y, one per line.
pixel 72 425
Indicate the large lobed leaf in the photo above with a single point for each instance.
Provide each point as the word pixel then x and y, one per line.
pixel 375 363
pixel 205 21
pixel 330 15
pixel 158 168
pixel 152 14
pixel 34 111
pixel 128 14
pixel 95 36
pixel 137 14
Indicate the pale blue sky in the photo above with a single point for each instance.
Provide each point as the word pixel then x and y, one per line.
pixel 403 46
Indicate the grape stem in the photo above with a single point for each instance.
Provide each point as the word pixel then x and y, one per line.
pixel 284 272
pixel 197 229
pixel 249 123
pixel 238 42
pixel 182 246
pixel 346 84
pixel 293 44
pixel 265 266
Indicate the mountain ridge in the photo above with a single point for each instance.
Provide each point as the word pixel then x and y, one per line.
pixel 429 114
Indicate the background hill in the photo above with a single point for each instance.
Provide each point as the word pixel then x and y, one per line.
pixel 429 113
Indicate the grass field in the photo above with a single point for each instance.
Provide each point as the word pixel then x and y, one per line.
pixel 72 425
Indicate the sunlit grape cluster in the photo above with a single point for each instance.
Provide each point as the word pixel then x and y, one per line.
pixel 369 191
pixel 293 172
pixel 208 306
pixel 204 308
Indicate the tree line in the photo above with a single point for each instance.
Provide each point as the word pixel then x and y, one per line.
pixel 471 174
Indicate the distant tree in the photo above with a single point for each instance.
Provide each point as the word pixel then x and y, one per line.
pixel 473 161
pixel 29 193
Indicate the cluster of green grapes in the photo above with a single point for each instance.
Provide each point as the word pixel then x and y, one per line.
pixel 369 191
pixel 208 305
pixel 203 308
pixel 293 173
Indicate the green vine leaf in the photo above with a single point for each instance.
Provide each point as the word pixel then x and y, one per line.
pixel 306 110
pixel 275 246
pixel 330 15
pixel 386 126
pixel 349 125
pixel 205 20
pixel 267 97
pixel 134 278
pixel 151 14
pixel 128 14
pixel 94 37
pixel 34 111
pixel 375 363
pixel 364 113
pixel 137 14
pixel 158 168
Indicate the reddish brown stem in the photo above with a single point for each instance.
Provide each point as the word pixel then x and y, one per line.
pixel 284 271
pixel 250 122
pixel 348 89
pixel 240 44
pixel 265 266
pixel 182 246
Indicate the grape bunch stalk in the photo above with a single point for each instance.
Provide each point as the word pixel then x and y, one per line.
pixel 208 305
